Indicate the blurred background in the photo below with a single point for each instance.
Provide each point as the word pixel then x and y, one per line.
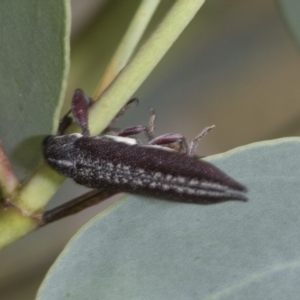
pixel 235 66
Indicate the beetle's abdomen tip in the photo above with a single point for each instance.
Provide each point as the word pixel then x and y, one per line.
pixel 240 195
pixel 237 195
pixel 242 198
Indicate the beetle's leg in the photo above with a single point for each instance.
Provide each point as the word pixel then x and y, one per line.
pixel 64 123
pixel 123 110
pixel 79 108
pixel 194 143
pixel 110 127
pixel 171 138
pixel 151 127
pixel 132 130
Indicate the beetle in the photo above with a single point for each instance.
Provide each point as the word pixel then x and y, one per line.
pixel 121 162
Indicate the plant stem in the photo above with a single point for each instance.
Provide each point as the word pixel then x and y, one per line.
pixel 133 75
pixel 128 44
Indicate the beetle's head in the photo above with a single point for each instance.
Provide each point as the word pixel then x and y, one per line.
pixel 58 152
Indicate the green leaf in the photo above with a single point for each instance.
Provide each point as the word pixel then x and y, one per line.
pixel 290 10
pixel 144 248
pixel 34 62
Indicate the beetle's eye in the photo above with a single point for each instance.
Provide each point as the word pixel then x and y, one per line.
pixel 47 139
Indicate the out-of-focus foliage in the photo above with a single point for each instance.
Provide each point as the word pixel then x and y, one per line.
pixel 34 66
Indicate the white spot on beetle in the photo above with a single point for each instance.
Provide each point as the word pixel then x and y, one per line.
pixel 65 163
pixel 121 139
pixel 159 147
pixel 190 191
pixel 194 182
pixel 152 185
pixel 213 185
pixel 169 177
pixel 137 182
pixel 179 189
pixel 157 175
pixel 165 187
pixel 180 179
pixel 78 135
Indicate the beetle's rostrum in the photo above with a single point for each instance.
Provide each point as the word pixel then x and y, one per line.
pixel 122 163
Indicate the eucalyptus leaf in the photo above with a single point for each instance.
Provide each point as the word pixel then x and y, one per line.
pixel 290 9
pixel 144 248
pixel 33 69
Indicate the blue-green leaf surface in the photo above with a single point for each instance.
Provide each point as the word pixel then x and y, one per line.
pixel 143 248
pixel 34 59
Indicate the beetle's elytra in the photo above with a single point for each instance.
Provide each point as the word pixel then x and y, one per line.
pixel 122 163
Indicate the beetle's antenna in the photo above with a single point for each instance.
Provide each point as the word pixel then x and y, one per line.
pixel 194 143
pixel 79 108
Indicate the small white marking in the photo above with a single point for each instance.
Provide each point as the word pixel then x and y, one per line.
pixel 180 179
pixel 65 163
pixel 76 134
pixel 152 185
pixel 190 191
pixel 146 181
pixel 194 182
pixel 110 165
pixel 165 187
pixel 140 171
pixel 204 193
pixel 212 185
pixel 138 182
pixel 159 147
pixel 121 139
pixel 157 175
pixel 57 137
pixel 169 177
pixel 179 189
